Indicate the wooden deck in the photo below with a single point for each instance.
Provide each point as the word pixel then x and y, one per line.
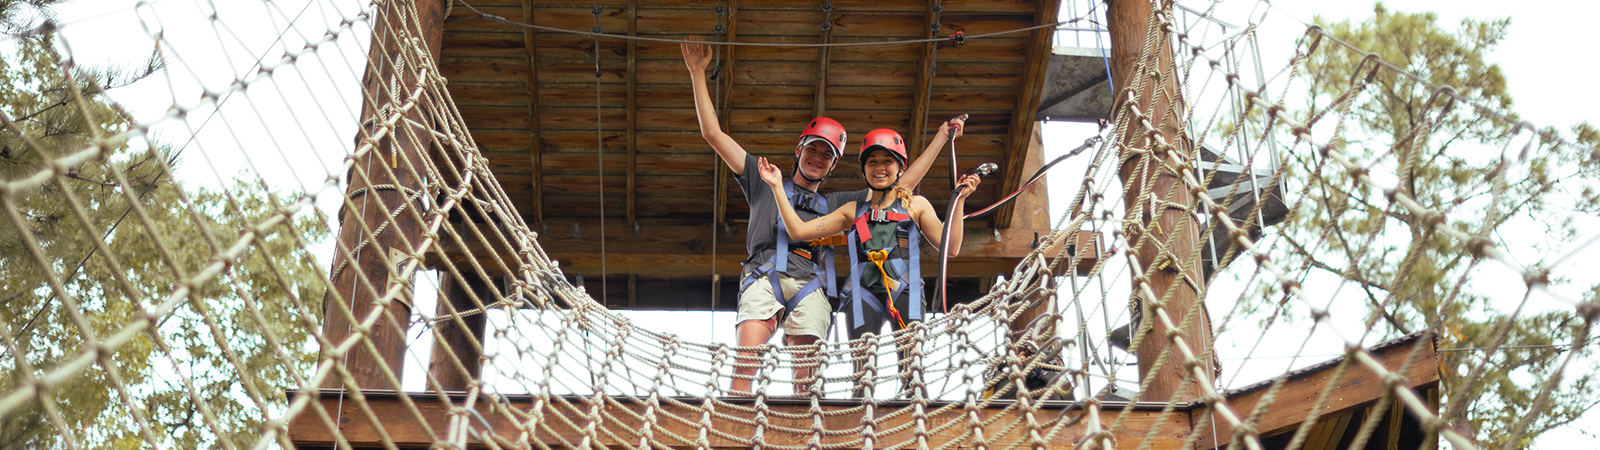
pixel 1354 398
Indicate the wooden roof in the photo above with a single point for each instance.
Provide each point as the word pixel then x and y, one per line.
pixel 530 99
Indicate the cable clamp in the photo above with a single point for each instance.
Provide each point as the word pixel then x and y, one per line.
pixel 959 38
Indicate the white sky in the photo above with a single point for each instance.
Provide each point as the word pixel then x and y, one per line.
pixel 1550 78
pixel 1551 86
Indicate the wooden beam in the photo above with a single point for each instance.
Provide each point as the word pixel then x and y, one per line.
pixel 530 49
pixel 633 112
pixel 456 360
pixel 1358 387
pixel 633 290
pixel 820 100
pixel 919 104
pixel 725 77
pixel 1031 209
pixel 361 278
pixel 1026 111
pixel 617 429
pixel 682 250
pixel 1396 414
pixel 1174 274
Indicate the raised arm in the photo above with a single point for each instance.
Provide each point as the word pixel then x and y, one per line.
pixel 799 230
pixel 928 219
pixel 924 162
pixel 697 57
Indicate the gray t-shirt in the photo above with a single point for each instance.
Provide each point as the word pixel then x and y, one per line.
pixel 760 238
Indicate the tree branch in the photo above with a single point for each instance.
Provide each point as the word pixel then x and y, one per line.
pixel 42 111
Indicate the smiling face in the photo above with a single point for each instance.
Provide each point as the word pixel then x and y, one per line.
pixel 881 169
pixel 816 160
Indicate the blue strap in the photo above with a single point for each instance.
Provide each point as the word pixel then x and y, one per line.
pixel 899 266
pixel 780 259
pixel 855 286
pixel 827 262
pixel 910 276
pixel 827 256
pixel 876 304
pixel 807 289
pixel 913 275
pixel 789 303
pixel 777 288
pixel 751 277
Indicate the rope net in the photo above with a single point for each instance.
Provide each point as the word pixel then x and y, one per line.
pixel 211 303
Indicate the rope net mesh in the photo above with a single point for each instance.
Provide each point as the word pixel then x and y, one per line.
pixel 217 312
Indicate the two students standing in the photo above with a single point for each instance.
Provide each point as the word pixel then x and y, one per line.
pixel 787 277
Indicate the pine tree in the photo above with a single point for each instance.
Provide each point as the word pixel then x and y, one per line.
pixel 1452 157
pixel 216 337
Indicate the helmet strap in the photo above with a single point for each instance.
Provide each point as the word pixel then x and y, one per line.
pixel 802 173
pixel 887 189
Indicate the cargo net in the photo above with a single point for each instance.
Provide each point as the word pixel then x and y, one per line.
pixel 167 299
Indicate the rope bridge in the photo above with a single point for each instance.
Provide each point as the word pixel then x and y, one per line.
pixel 247 316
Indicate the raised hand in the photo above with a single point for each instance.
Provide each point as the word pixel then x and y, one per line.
pixel 953 127
pixel 697 56
pixel 769 172
pixel 970 183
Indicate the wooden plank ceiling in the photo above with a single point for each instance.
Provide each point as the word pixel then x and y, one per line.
pixel 553 126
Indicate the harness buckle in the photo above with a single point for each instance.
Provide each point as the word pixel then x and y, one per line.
pixel 807 203
pixel 878 215
pixel 830 241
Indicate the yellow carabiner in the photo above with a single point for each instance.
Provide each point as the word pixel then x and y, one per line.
pixel 878 257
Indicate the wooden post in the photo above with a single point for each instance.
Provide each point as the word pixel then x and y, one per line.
pixel 1025 114
pixel 1172 227
pixel 535 147
pixel 456 298
pixel 361 281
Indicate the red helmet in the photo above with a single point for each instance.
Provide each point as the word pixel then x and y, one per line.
pixel 888 140
pixel 825 130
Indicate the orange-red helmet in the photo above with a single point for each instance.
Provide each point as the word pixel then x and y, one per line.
pixel 825 130
pixel 888 140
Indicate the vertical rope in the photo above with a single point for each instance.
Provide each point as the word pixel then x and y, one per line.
pixel 933 72
pixel 600 153
pixel 716 99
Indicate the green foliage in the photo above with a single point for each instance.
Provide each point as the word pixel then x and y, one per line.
pixel 217 337
pixel 1491 178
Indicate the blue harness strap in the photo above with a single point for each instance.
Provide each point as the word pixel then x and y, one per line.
pixel 910 275
pixel 915 275
pixel 780 258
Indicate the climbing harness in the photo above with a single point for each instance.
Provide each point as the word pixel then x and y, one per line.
pixel 812 205
pixel 900 255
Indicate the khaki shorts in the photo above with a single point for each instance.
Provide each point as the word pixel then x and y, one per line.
pixel 810 317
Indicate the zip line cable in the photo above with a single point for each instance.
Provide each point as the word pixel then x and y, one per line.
pixel 600 153
pixel 1039 175
pixel 716 167
pixel 495 18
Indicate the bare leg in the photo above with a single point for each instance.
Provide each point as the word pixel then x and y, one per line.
pixel 751 333
pixel 805 363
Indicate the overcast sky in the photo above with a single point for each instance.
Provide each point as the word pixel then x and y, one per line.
pixel 1549 76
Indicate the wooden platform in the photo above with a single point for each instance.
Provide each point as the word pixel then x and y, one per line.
pixel 1354 398
pixel 406 434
